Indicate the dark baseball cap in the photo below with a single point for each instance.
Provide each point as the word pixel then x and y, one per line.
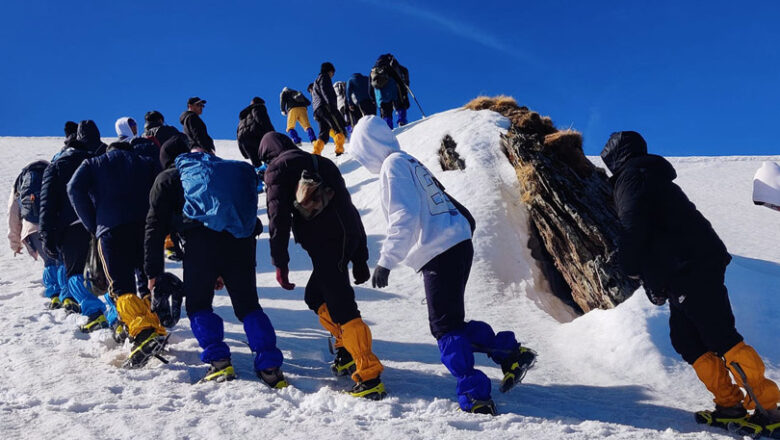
pixel 195 100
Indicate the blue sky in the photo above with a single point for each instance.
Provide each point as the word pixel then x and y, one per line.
pixel 694 77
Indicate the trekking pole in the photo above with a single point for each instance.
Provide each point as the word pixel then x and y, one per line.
pixel 415 100
pixel 749 389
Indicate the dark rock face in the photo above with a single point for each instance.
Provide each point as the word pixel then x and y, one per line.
pixel 448 157
pixel 570 205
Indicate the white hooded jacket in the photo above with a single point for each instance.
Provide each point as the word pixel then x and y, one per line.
pixel 123 130
pixel 421 220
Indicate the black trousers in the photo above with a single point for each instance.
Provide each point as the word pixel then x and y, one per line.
pixel 121 250
pixel 327 121
pixel 700 318
pixel 74 249
pixel 445 278
pixel 208 255
pixel 328 284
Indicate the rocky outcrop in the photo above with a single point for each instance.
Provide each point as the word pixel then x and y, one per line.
pixel 570 205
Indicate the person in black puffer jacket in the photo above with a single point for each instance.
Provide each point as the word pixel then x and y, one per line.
pixel 668 244
pixel 62 232
pixel 253 124
pixel 333 239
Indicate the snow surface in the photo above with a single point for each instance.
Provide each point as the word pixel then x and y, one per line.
pixel 608 374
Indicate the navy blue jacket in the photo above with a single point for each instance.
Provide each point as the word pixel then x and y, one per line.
pixel 323 94
pixel 112 189
pixel 56 211
pixel 663 234
pixel 360 86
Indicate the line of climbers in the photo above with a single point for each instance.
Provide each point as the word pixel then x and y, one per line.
pixel 181 192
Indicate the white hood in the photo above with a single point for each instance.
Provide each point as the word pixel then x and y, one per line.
pixel 372 141
pixel 766 184
pixel 123 128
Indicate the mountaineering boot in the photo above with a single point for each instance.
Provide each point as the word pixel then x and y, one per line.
pixel 515 366
pixel 220 371
pixel 372 389
pixel 273 377
pixel 310 133
pixel 760 424
pixel 343 364
pixel 722 416
pixel 294 136
pixel 119 332
pixel 55 303
pixel 484 407
pixel 339 140
pixel 70 306
pixel 318 146
pixel 94 322
pixel 147 344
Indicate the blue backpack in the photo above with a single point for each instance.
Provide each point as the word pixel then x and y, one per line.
pixel 221 194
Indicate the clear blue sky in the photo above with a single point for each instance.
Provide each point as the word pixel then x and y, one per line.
pixel 695 77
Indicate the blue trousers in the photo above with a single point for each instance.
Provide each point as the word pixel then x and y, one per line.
pixel 445 279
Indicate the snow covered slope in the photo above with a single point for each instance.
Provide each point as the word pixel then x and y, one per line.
pixel 609 374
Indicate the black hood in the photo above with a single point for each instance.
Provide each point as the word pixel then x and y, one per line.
pixel 185 115
pixel 273 145
pixel 88 134
pixel 248 109
pixel 172 148
pixel 652 164
pixel 621 147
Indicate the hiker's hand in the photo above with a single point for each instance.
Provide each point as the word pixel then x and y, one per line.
pixel 379 279
pixel 281 277
pixel 219 284
pixel 150 284
pixel 360 272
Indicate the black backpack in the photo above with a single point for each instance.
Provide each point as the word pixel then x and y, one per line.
pixel 299 98
pixel 380 75
pixel 28 190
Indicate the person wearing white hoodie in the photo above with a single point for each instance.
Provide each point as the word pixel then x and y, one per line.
pixel 127 131
pixel 431 232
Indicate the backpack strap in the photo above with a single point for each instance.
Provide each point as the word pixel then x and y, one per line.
pixel 316 163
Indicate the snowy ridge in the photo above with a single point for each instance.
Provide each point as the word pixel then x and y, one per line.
pixel 608 374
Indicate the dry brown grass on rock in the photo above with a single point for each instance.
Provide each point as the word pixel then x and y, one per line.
pixel 566 145
pixel 522 118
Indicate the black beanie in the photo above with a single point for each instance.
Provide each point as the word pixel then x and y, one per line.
pixel 71 128
pixel 327 67
pixel 178 144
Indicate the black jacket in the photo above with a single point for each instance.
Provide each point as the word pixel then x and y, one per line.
pixel 253 124
pixel 166 202
pixel 196 131
pixel 663 233
pixel 337 232
pixel 290 98
pixel 56 211
pixel 160 131
pixel 323 94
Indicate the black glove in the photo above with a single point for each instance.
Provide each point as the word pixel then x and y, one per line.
pixel 51 249
pixel 360 272
pixel 657 297
pixel 379 279
pixel 258 228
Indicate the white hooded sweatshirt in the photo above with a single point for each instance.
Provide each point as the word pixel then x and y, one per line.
pixel 123 130
pixel 421 221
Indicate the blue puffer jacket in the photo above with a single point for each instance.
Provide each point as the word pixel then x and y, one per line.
pixel 360 86
pixel 112 189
